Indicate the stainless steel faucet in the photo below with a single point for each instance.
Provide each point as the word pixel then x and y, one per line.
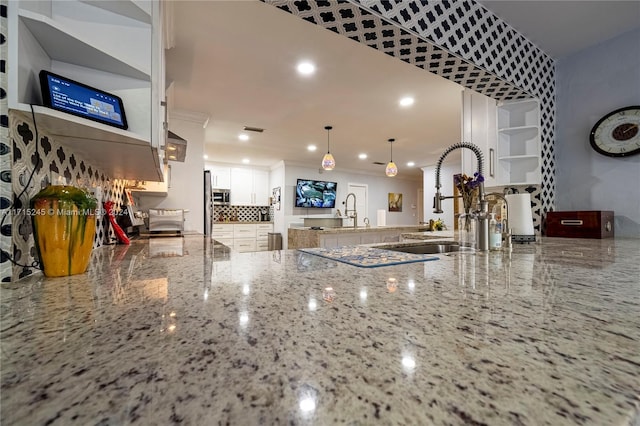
pixel 483 211
pixel 354 214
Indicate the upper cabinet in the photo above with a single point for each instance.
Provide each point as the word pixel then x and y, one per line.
pixel 249 187
pixel 115 46
pixel 508 135
pixel 479 128
pixel 220 177
pixel 519 142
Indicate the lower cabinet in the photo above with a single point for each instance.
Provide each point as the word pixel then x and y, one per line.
pixel 243 237
pixel 262 236
pixel 244 244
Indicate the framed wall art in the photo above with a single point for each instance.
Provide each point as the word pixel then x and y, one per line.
pixel 395 202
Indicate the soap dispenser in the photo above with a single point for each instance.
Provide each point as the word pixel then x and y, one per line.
pixel 495 234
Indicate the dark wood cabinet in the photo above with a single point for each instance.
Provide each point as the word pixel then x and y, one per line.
pixel 580 224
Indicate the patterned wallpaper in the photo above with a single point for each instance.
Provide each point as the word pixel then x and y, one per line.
pixel 5 153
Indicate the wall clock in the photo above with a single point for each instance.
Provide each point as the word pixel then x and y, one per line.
pixel 617 134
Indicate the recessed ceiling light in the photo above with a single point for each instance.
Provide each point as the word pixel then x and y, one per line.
pixel 362 156
pixel 205 156
pixel 406 101
pixel 243 137
pixel 411 164
pixel 306 68
pixel 311 148
pixel 245 161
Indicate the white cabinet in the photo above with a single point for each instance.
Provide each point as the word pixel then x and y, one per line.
pixel 479 128
pixel 261 187
pixel 519 142
pixel 262 236
pixel 243 237
pixel 157 189
pixel 508 135
pixel 249 187
pixel 241 187
pixel 220 177
pixel 113 46
pixel 223 233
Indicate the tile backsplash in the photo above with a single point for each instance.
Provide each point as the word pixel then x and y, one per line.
pixel 240 213
pixel 34 166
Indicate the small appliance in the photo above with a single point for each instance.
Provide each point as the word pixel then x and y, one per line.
pixel 221 197
pixel 263 215
pixel 520 218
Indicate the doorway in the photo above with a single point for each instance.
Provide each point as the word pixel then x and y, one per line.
pixel 360 190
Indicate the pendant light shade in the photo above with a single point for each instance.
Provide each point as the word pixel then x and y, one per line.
pixel 391 169
pixel 328 163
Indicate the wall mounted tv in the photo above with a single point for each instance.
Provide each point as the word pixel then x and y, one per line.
pixel 66 95
pixel 316 193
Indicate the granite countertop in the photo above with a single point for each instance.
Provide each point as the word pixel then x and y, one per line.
pixel 244 222
pixel 428 235
pixel 547 336
pixel 348 229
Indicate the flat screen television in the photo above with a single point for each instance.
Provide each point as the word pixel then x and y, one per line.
pixel 66 95
pixel 316 193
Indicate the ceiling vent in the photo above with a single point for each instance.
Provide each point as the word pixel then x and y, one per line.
pixel 378 163
pixel 176 147
pixel 253 129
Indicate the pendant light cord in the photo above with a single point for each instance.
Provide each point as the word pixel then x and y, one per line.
pixel 328 128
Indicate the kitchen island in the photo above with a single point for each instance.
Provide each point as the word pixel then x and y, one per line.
pixel 304 237
pixel 547 336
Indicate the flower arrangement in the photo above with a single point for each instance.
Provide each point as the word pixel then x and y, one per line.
pixel 437 225
pixel 468 187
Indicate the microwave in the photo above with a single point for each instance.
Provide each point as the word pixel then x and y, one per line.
pixel 221 197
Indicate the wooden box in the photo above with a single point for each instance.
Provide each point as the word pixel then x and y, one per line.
pixel 580 224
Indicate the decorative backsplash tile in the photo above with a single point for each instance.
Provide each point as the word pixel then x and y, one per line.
pixel 33 167
pixel 240 213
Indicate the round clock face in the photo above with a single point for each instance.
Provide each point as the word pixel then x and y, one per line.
pixel 617 134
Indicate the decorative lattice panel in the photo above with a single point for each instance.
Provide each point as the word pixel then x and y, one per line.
pixel 457 40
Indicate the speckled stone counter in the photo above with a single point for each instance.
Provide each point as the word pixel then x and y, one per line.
pixel 548 336
pixel 305 237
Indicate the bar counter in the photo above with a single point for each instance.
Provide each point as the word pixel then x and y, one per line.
pixel 201 335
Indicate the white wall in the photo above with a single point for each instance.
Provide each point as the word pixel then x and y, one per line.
pixel 187 187
pixel 590 84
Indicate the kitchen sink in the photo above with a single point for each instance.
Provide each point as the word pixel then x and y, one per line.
pixel 430 248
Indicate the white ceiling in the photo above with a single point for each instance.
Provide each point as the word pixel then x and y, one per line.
pixel 234 63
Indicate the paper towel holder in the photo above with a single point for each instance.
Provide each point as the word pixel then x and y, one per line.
pixel 521 218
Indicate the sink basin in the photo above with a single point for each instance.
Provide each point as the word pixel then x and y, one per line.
pixel 431 248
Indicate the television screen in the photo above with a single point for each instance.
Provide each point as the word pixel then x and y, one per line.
pixel 316 193
pixel 66 95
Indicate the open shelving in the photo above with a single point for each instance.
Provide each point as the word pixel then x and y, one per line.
pixel 104 44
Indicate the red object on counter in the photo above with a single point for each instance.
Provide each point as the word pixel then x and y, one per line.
pixel 120 234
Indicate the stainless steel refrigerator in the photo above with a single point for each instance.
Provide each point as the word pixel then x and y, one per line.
pixel 208 203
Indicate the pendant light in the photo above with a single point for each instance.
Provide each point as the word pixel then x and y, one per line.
pixel 391 169
pixel 328 163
